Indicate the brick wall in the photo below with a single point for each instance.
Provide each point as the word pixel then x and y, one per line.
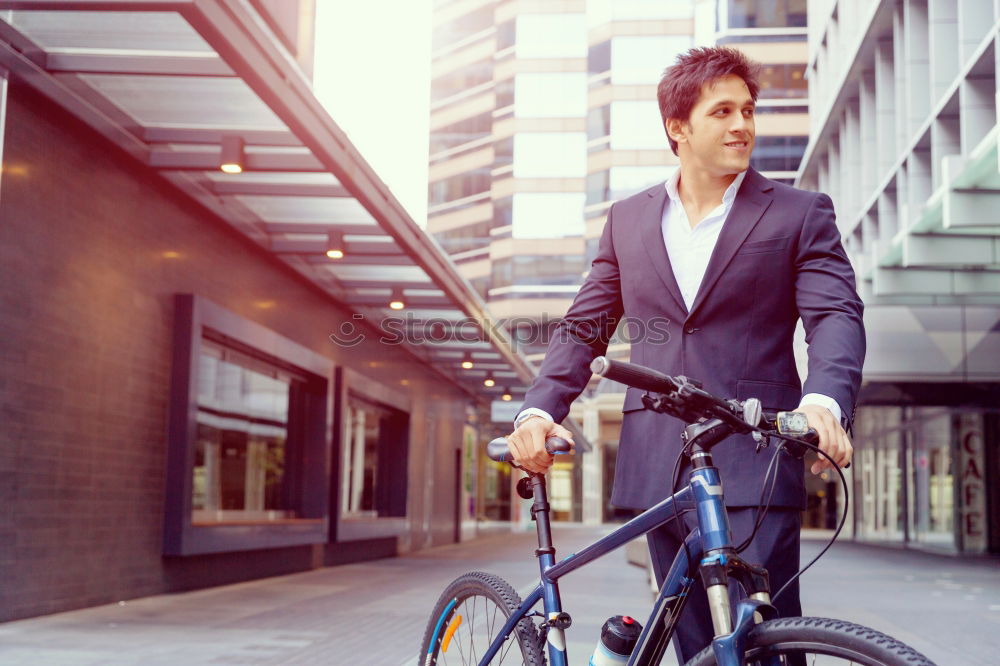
pixel 93 246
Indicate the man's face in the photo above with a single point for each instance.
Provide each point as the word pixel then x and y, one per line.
pixel 719 135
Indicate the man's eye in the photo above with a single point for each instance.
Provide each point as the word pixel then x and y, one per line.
pixel 748 113
pixel 721 112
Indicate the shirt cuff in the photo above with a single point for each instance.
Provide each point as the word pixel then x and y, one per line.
pixel 532 411
pixel 822 401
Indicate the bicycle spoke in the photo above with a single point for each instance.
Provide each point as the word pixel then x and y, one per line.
pixel 472 631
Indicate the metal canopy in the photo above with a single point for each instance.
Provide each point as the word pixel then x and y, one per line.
pixel 171 83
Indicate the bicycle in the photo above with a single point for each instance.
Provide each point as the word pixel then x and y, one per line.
pixel 481 614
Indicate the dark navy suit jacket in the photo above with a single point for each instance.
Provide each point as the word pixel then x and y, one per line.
pixel 778 258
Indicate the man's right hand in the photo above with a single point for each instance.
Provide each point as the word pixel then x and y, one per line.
pixel 527 443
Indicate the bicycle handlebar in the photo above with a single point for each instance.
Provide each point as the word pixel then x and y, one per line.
pixel 499 451
pixel 633 375
pixel 689 400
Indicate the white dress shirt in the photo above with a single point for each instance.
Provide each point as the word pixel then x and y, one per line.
pixel 690 250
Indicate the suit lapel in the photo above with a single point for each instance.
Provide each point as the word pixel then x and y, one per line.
pixel 751 202
pixel 651 235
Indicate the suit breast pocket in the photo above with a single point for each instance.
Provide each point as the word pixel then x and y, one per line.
pixel 765 245
pixel 772 395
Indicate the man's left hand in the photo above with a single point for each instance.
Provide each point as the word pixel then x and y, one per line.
pixel 833 439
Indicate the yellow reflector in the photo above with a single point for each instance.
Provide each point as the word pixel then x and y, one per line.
pixel 452 628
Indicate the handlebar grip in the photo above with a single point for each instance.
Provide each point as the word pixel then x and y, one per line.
pixel 798 450
pixel 499 451
pixel 632 375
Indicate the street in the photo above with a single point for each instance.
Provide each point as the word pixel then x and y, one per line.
pixel 375 612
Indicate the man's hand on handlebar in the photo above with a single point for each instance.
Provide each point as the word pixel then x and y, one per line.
pixel 833 440
pixel 527 443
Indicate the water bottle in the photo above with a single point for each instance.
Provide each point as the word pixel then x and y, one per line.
pixel 618 638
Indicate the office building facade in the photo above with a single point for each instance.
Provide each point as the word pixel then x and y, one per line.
pixel 903 136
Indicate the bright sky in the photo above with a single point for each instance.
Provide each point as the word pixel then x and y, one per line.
pixel 372 73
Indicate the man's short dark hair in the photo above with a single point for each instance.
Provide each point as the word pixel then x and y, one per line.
pixel 680 85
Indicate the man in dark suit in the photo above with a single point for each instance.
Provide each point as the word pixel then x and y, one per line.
pixel 727 262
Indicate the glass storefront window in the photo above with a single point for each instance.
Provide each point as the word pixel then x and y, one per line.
pixel 551 36
pixel 933 479
pixel 373 464
pixel 641 60
pixel 550 155
pixel 242 433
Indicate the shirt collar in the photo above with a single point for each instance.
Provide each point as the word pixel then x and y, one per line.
pixel 729 195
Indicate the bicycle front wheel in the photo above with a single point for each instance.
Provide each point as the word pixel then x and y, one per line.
pixel 469 616
pixel 816 640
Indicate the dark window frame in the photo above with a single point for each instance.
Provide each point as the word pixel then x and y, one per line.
pixel 196 319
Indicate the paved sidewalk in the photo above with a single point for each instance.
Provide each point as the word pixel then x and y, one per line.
pixel 375 612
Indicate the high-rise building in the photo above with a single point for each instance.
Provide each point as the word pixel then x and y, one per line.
pixel 903 137
pixel 544 113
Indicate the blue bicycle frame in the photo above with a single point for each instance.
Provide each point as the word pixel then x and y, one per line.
pixel 710 542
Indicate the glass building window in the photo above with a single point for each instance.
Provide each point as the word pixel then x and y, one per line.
pixel 599 58
pixel 461 79
pixel 461 132
pixel 503 212
pixel 641 60
pixel 547 214
pixel 374 458
pixel 506 34
pixel 637 126
pixel 778 153
pixel 243 425
pixel 503 93
pixel 766 13
pixel 598 184
pixel 627 180
pixel 534 270
pixel 550 155
pixel 242 445
pixel 599 121
pixel 550 95
pixel 604 11
pixel 932 477
pixel 783 81
pixel 503 152
pixel 463 26
pixel 551 36
pixel 465 238
pixel 460 186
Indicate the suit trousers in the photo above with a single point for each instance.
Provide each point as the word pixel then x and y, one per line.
pixel 776 546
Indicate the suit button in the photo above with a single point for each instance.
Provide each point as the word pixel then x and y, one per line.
pixel 691 329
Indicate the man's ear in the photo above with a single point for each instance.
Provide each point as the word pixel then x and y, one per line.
pixel 676 129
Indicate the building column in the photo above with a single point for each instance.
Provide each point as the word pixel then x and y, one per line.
pixel 593 466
